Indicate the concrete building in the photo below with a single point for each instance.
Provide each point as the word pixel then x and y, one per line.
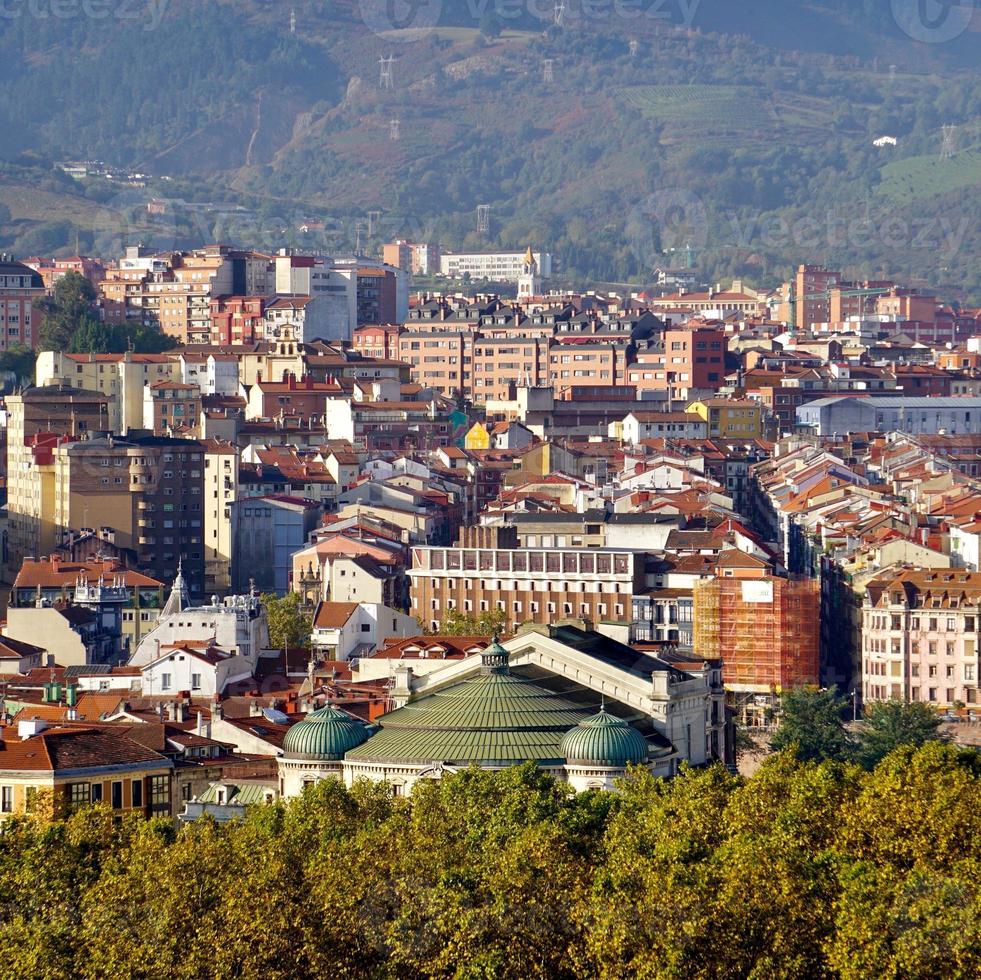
pixel 38 420
pixel 837 416
pixel 266 532
pixel 527 585
pixel 497 266
pixel 149 490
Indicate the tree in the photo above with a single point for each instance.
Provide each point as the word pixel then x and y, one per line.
pixel 71 306
pixel 18 360
pixel 812 727
pixel 490 25
pixel 889 724
pixel 491 623
pixel 289 625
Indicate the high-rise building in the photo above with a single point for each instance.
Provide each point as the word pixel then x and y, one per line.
pixel 149 490
pixel 39 420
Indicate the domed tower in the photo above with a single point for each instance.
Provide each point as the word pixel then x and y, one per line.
pixel 314 748
pixel 599 749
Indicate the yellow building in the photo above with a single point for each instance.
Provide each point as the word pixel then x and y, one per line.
pixel 67 767
pixel 220 492
pixel 479 437
pixel 120 377
pixel 38 420
pixel 730 418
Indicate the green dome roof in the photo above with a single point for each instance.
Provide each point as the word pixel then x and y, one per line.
pixel 495 719
pixel 324 736
pixel 604 740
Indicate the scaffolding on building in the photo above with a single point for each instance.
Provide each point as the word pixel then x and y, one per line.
pixel 767 634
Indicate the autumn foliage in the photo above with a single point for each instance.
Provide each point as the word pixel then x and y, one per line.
pixel 805 870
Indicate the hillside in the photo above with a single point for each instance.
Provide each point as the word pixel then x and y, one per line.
pixel 746 132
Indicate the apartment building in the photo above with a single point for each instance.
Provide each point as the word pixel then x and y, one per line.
pixel 38 421
pixel 812 292
pixel 419 258
pixel 683 361
pixel 379 340
pixel 578 363
pixel 122 378
pixel 920 636
pixel 497 266
pixel 21 288
pixel 730 418
pixel 441 361
pixel 237 319
pixel 171 407
pixel 172 290
pixel 375 426
pixel 149 490
pixel 527 585
pixel 77 766
pixel 220 492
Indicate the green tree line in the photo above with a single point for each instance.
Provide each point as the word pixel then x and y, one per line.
pixel 804 870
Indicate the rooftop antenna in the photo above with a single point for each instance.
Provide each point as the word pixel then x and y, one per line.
pixel 949 147
pixel 549 75
pixel 386 79
pixel 483 219
pixel 892 74
pixel 358 228
pixel 395 129
pixel 374 217
pixel 292 22
pixel 634 47
pixel 559 13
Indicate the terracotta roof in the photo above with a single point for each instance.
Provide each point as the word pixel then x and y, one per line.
pixel 333 615
pixel 75 748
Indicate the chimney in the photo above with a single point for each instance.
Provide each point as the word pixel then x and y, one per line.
pixel 197 727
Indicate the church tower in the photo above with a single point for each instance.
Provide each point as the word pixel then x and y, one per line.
pixel 529 284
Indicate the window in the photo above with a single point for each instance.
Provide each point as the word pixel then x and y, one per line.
pixel 195 682
pixel 136 788
pixel 6 799
pixel 117 795
pixel 78 794
pixel 165 681
pixel 159 794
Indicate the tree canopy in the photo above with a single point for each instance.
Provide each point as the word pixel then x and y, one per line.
pixel 805 869
pixel 812 725
pixel 289 624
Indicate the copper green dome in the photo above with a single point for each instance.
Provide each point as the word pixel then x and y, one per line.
pixel 324 736
pixel 494 719
pixel 604 740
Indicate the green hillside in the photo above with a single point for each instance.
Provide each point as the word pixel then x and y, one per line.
pixel 245 128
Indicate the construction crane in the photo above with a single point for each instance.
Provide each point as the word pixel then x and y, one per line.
pixel 793 299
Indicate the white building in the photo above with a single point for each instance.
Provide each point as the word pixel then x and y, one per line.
pixel 236 625
pixel 497 266
pixel 347 630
